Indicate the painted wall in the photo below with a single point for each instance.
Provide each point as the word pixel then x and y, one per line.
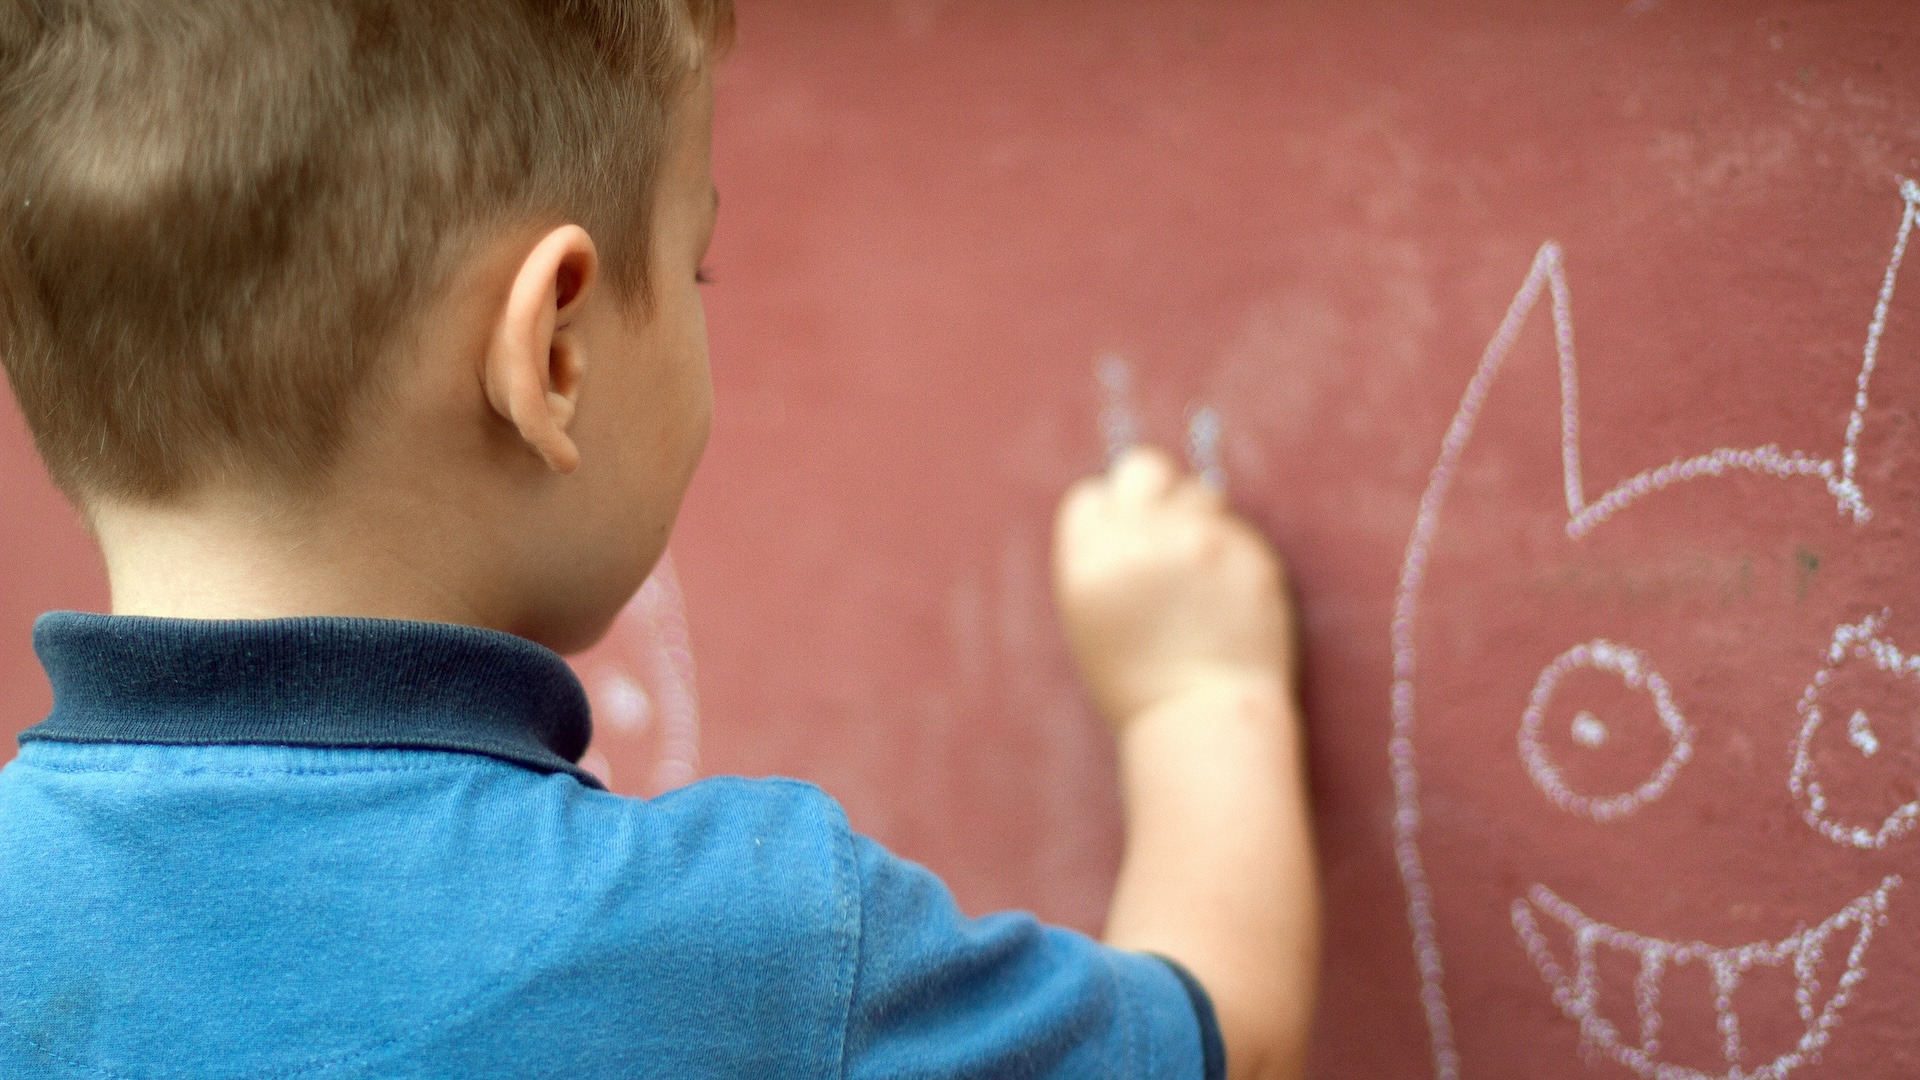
pixel 1538 337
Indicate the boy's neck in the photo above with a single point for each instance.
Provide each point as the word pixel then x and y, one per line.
pixel 226 562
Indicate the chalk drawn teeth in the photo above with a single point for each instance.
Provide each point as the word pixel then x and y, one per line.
pixel 1577 992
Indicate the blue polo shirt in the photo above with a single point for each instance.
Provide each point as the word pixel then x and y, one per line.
pixel 356 848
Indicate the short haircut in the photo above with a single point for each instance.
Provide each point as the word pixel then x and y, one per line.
pixel 219 218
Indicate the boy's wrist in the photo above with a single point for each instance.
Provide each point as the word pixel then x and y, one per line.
pixel 1242 696
pixel 1218 871
pixel 1226 736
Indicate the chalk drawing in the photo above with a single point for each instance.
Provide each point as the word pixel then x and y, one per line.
pixel 1588 731
pixel 1860 734
pixel 1859 641
pixel 640 681
pixel 1632 668
pixel 1577 992
pixel 1766 460
pixel 1547 275
pixel 1118 426
pixel 1203 447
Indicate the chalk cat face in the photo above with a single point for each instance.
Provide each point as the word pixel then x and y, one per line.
pixel 1654 751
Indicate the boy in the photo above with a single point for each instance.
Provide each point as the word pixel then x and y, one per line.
pixel 366 335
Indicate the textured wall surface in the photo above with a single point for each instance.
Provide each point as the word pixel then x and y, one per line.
pixel 1538 337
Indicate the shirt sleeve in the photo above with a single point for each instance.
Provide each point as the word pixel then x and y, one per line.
pixel 939 995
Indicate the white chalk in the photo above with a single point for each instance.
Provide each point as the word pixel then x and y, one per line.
pixel 1203 447
pixel 1118 426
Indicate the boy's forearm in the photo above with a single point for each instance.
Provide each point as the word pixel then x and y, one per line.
pixel 1219 871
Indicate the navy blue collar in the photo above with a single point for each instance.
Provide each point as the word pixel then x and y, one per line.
pixel 323 682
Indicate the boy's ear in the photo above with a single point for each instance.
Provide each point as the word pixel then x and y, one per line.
pixel 536 358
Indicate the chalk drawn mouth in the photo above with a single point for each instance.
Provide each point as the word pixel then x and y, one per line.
pixel 1577 992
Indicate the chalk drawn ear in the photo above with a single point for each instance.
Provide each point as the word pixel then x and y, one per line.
pixel 1546 278
pixel 1851 454
pixel 1838 473
pixel 1549 276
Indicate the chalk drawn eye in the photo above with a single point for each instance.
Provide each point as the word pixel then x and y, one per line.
pixel 1872 684
pixel 1611 688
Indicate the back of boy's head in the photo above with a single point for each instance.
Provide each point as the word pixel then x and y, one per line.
pixel 218 218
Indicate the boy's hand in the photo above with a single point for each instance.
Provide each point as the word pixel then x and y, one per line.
pixel 1165 592
pixel 1177 613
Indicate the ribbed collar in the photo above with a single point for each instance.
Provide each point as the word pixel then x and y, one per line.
pixel 321 682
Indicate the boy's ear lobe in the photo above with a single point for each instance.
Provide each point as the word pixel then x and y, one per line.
pixel 536 358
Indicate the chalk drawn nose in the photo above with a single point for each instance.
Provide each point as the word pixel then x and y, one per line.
pixel 1588 731
pixel 1860 734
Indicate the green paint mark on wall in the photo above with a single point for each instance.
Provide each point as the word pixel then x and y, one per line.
pixel 1805 564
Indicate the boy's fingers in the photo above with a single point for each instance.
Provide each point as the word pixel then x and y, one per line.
pixel 1082 501
pixel 1143 473
pixel 1194 491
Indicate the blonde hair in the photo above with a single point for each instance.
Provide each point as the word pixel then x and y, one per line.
pixel 217 216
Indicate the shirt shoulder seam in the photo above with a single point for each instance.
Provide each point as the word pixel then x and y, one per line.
pixel 443 760
pixel 852 905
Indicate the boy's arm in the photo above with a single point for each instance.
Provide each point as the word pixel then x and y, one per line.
pixel 1176 611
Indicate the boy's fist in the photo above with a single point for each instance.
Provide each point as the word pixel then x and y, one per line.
pixel 1164 591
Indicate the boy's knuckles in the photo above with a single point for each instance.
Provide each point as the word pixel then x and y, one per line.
pixel 1081 503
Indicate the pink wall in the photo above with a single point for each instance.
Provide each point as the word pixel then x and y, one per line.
pixel 1313 218
pixel 50 564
